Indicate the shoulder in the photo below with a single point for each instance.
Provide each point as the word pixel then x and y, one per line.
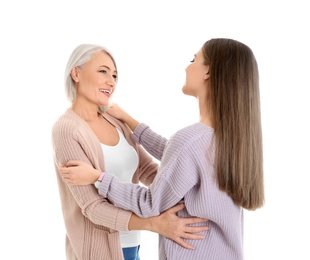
pixel 68 123
pixel 192 139
pixel 65 121
pixel 193 133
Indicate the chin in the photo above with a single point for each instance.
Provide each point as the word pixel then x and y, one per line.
pixel 185 91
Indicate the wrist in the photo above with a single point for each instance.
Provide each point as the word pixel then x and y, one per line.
pixel 137 223
pixel 151 224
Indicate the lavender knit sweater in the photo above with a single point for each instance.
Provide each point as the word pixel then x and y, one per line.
pixel 187 173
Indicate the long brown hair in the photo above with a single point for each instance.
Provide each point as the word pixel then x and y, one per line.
pixel 234 101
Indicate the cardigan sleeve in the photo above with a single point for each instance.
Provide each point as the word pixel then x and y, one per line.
pixel 70 144
pixel 176 176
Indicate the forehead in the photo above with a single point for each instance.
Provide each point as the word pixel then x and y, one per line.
pixel 102 59
pixel 199 53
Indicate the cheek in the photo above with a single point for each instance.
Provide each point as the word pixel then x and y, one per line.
pixel 87 86
pixel 94 82
pixel 187 74
pixel 191 78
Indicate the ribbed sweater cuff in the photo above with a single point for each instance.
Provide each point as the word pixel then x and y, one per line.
pixel 138 132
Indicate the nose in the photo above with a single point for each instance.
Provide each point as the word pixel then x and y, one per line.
pixel 111 81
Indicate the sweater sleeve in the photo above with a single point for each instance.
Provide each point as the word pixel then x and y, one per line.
pixel 176 176
pixel 147 168
pixel 70 144
pixel 152 142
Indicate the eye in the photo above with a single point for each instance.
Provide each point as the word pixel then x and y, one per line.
pixel 103 71
pixel 193 59
pixel 115 77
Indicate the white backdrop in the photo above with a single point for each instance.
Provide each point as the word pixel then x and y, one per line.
pixel 153 42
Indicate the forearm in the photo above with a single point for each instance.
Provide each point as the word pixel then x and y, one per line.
pixel 145 202
pixel 152 142
pixel 137 223
pixel 130 121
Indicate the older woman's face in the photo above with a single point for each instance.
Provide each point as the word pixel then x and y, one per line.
pixel 96 80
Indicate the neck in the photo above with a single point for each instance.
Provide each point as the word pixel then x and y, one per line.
pixel 206 121
pixel 205 115
pixel 88 113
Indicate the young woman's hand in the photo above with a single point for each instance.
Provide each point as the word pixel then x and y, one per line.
pixel 78 173
pixel 116 111
pixel 169 225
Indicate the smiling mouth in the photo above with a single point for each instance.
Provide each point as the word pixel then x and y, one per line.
pixel 109 92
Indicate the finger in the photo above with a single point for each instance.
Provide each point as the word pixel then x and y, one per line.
pixel 73 163
pixel 193 236
pixel 182 243
pixel 196 229
pixel 65 177
pixel 62 170
pixel 69 181
pixel 195 220
pixel 66 180
pixel 177 208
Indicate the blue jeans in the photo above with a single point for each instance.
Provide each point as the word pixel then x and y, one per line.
pixel 131 253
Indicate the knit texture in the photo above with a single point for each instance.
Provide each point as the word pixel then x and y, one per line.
pixel 92 223
pixel 186 174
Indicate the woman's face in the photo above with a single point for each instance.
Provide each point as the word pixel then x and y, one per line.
pixel 96 80
pixel 196 75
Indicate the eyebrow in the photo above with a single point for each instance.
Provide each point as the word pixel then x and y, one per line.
pixel 107 67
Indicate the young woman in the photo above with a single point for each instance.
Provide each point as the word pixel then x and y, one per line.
pixel 215 165
pixel 87 133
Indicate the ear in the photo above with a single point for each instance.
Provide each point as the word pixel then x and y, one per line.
pixel 75 74
pixel 207 74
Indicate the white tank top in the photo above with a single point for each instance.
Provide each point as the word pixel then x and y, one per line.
pixel 122 161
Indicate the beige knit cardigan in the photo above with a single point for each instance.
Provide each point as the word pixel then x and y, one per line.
pixel 91 222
